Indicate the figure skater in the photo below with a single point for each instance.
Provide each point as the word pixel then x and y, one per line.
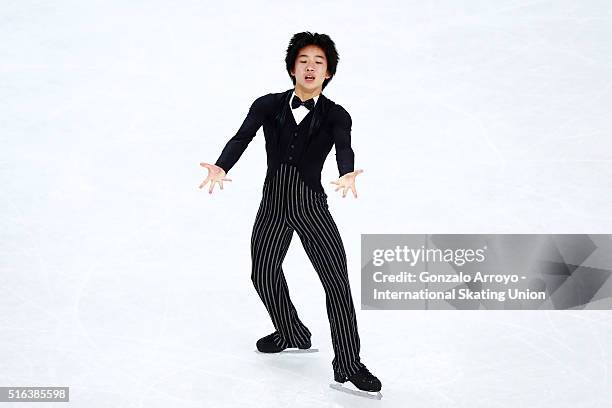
pixel 300 127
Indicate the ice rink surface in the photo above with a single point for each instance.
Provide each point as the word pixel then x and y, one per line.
pixel 124 281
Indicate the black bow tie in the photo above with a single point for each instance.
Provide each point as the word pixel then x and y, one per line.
pixel 297 102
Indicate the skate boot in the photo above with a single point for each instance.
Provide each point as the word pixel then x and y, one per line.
pixel 268 345
pixel 366 384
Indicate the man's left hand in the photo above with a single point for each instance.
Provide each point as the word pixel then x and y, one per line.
pixel 347 181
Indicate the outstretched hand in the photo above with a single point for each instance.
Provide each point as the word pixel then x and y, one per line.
pixel 347 181
pixel 215 175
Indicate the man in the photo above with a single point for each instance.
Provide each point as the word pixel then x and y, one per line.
pixel 300 126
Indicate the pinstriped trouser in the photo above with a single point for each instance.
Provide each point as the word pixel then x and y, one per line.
pixel 288 205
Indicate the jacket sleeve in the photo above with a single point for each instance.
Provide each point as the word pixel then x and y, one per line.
pixel 345 157
pixel 239 142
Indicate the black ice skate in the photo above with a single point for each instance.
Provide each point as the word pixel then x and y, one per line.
pixel 365 383
pixel 268 345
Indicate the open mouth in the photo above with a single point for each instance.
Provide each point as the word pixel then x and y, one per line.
pixel 309 78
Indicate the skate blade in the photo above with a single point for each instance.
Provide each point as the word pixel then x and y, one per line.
pixel 293 351
pixel 364 394
pixel 299 351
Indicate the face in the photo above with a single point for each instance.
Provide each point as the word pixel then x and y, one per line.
pixel 310 68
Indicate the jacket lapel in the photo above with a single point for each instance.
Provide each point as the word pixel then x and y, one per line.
pixel 282 112
pixel 318 114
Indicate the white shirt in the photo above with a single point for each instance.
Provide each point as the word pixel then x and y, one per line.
pixel 300 112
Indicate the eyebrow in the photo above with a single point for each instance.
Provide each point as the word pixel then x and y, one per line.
pixel 316 56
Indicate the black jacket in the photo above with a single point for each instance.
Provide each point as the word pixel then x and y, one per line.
pixel 305 145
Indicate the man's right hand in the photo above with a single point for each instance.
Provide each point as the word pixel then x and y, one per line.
pixel 215 175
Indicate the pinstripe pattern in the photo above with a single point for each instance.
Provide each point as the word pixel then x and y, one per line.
pixel 289 205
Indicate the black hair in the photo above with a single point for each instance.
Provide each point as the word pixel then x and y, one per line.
pixel 306 38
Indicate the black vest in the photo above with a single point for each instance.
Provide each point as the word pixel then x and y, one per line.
pixel 294 142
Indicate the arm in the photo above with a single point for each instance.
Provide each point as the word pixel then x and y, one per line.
pixel 345 157
pixel 239 142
